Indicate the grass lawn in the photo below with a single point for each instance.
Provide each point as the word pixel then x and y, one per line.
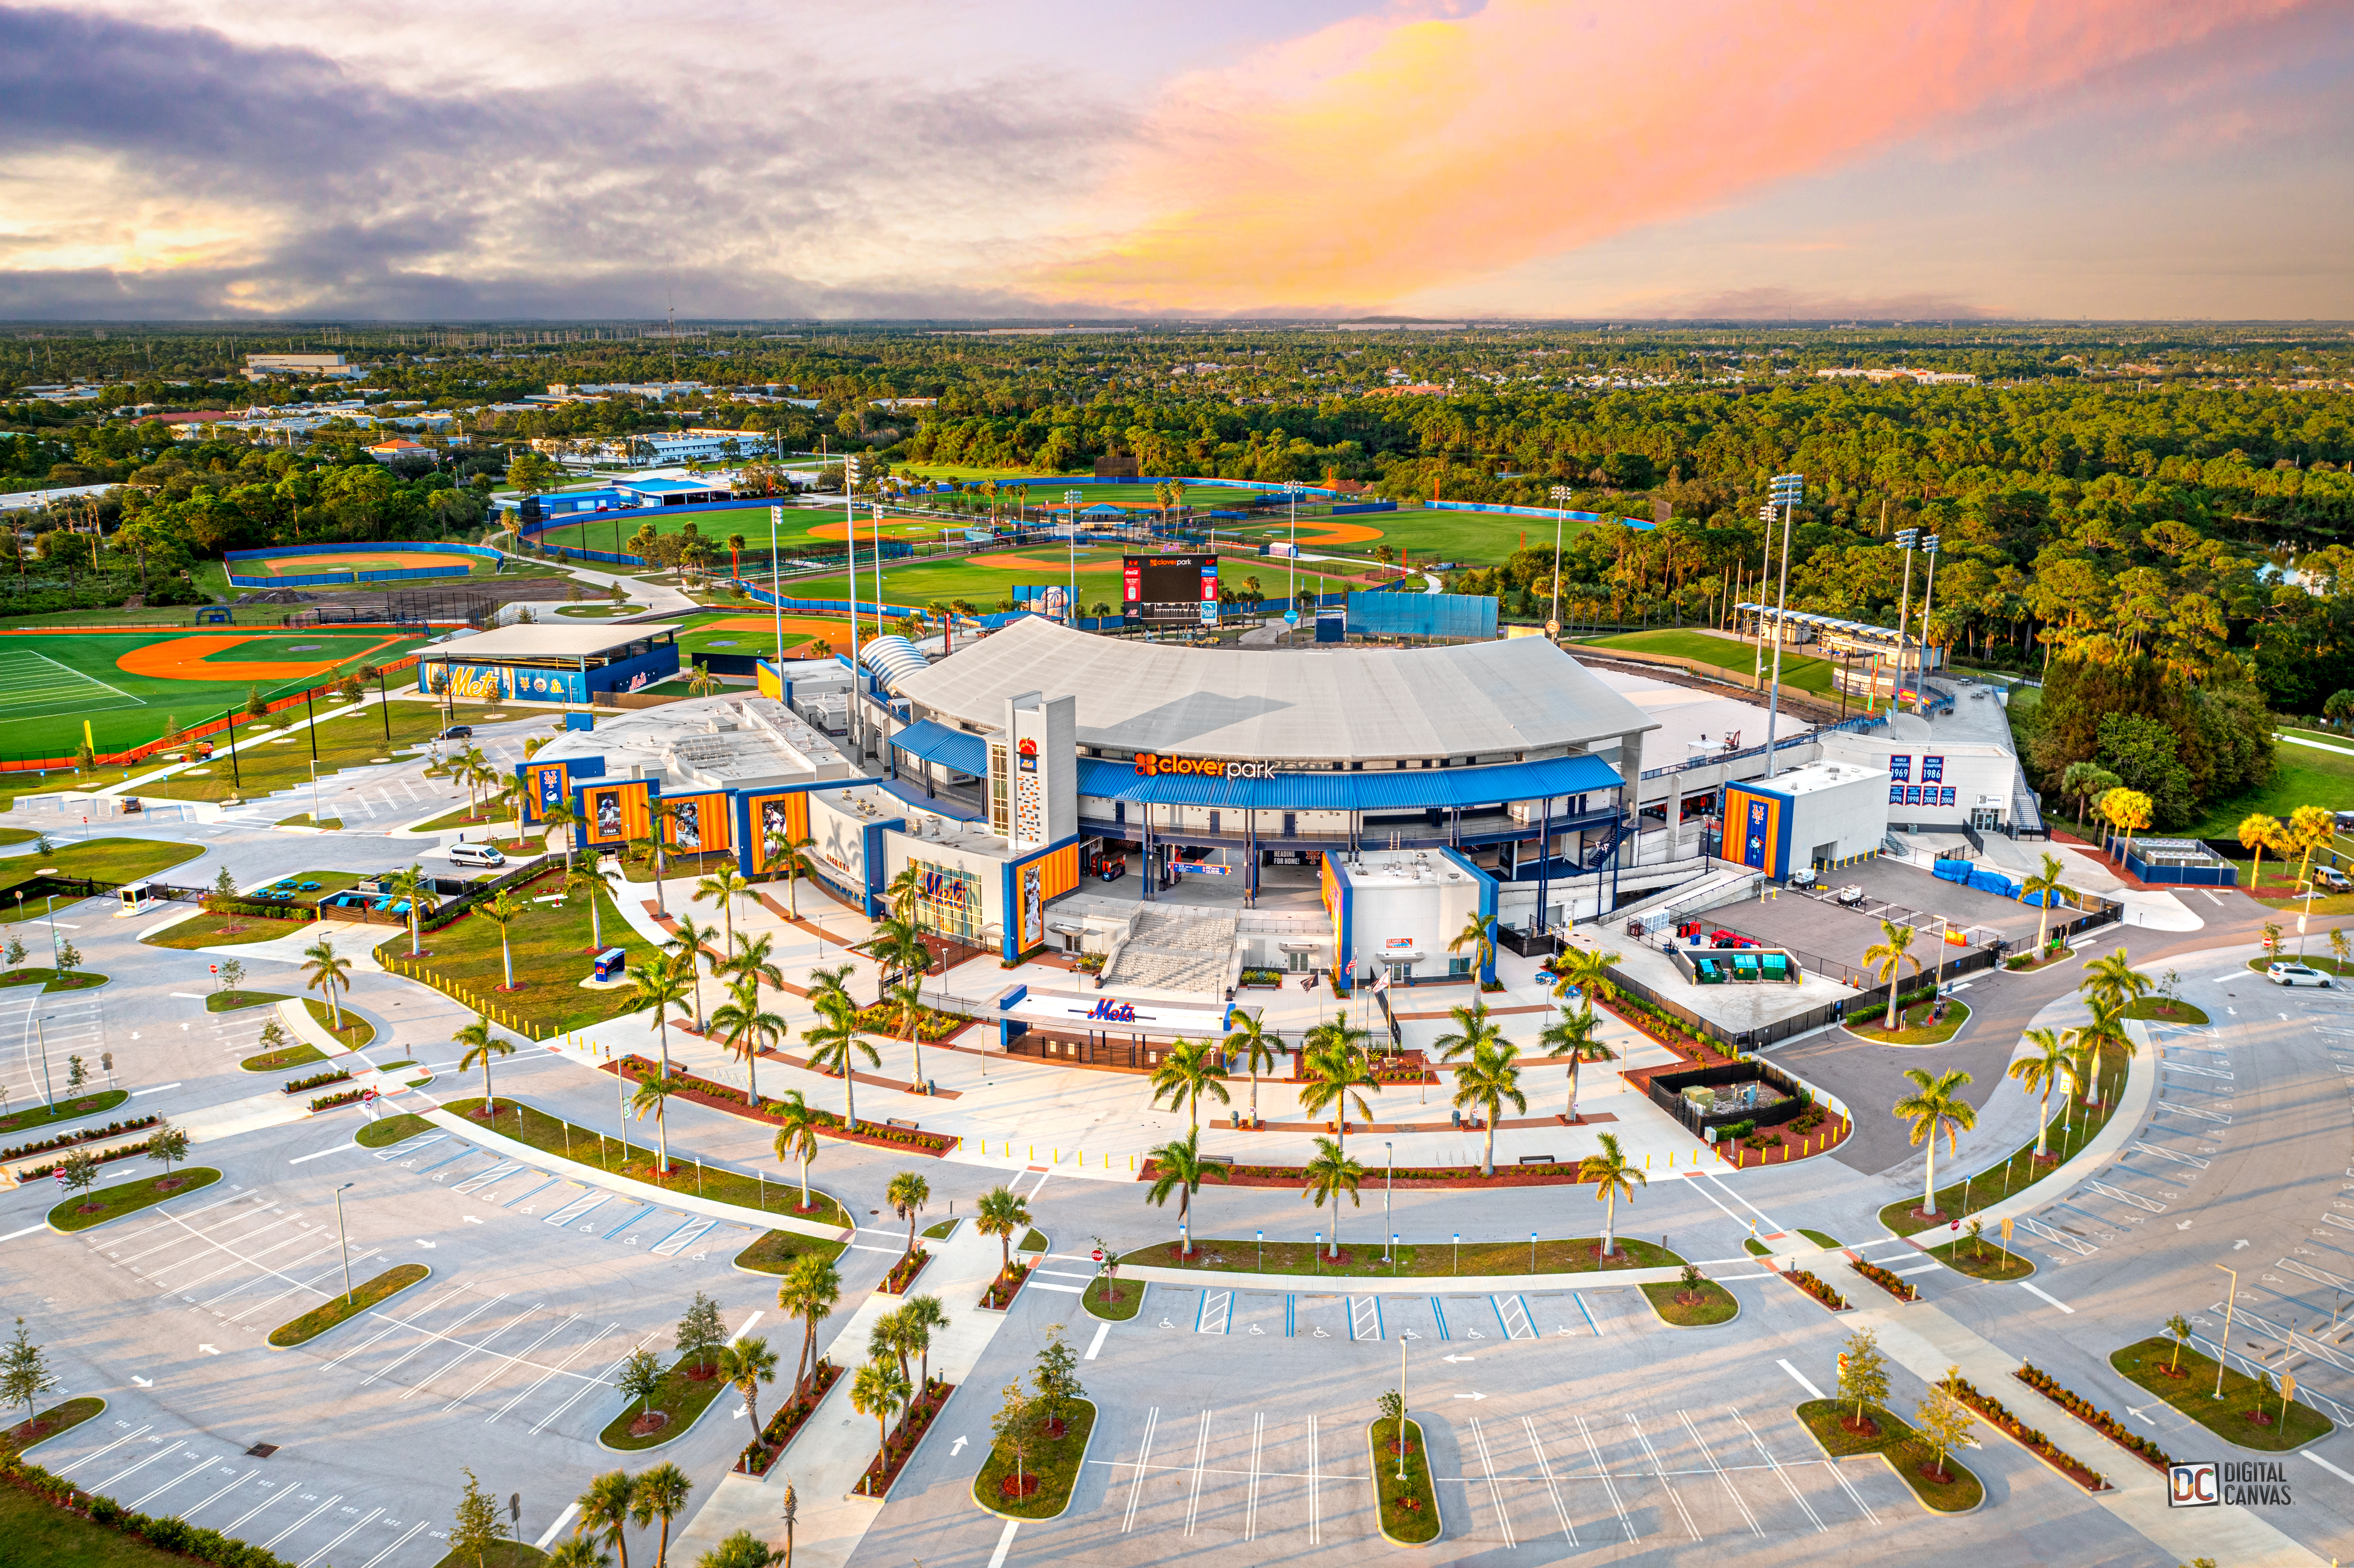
pixel 1799 671
pixel 39 1531
pixel 680 1397
pixel 2232 1417
pixel 54 1422
pixel 392 1129
pixel 50 979
pixel 355 1032
pixel 36 1117
pixel 1715 1303
pixel 1100 1303
pixel 2307 777
pixel 1576 1254
pixel 102 860
pixel 777 1196
pixel 296 1056
pixel 940 1232
pixel 303 820
pixel 1956 1199
pixel 239 1001
pixel 482 815
pixel 1818 1239
pixel 1914 1027
pixel 776 1251
pixel 209 931
pixel 95 1207
pixel 1409 1507
pixel 2156 1011
pixel 2312 961
pixel 1898 1444
pixel 340 1308
pixel 1984 1259
pixel 347 736
pixel 1053 1463
pixel 551 950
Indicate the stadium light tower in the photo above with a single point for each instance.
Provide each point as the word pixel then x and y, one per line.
pixel 1561 495
pixel 1291 611
pixel 1928 596
pixel 1905 539
pixel 1787 489
pixel 1072 498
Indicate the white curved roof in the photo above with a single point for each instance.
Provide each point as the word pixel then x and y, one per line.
pixel 893 658
pixel 1335 704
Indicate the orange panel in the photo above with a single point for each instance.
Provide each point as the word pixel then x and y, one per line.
pixel 789 811
pixel 700 824
pixel 615 811
pixel 1059 871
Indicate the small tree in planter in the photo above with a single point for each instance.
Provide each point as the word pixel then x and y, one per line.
pixel 1944 1424
pixel 1055 1376
pixel 168 1145
pixel 700 1335
pixel 274 1038
pixel 77 1173
pixel 232 977
pixel 1692 1280
pixel 1862 1378
pixel 16 952
pixel 68 960
pixel 1015 1427
pixel 640 1379
pixel 2179 1327
pixel 25 1373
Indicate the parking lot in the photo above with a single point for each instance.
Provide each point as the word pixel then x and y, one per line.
pixel 1813 922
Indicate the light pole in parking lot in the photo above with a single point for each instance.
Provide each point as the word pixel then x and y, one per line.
pixel 342 1244
pixel 2223 1349
pixel 1391 1149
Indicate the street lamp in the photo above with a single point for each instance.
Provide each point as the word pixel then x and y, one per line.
pixel 2224 1350
pixel 1560 495
pixel 342 1244
pixel 1391 1149
pixel 1787 488
pixel 1072 498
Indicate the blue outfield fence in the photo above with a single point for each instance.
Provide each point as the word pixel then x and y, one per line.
pixel 329 580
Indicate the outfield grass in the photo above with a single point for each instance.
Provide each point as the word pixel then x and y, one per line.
pixel 1799 671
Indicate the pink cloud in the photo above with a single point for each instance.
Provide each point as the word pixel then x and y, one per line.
pixel 1384 155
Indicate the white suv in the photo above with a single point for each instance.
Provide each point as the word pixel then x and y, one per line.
pixel 2294 974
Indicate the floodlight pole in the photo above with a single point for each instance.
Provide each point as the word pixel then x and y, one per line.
pixel 1787 489
pixel 2223 1350
pixel 1072 498
pixel 342 1243
pixel 1561 495
pixel 1906 538
pixel 1928 596
pixel 776 589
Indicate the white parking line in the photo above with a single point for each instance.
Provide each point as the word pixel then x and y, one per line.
pixel 1005 1543
pixel 1093 1345
pixel 2030 1286
pixel 368 1518
pixel 2326 1465
pixel 1812 1392
pixel 1661 1470
pixel 1726 1481
pixel 553 1530
pixel 1603 1470
pixel 306 1518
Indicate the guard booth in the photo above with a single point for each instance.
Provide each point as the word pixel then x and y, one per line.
pixel 610 963
pixel 138 898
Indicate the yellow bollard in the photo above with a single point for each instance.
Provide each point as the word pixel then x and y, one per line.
pixel 1034 1154
pixel 1647 1162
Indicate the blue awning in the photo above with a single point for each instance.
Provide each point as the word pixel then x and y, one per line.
pixel 934 742
pixel 1414 788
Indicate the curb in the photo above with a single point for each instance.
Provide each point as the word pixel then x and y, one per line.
pixel 1068 1497
pixel 353 1317
pixel 1437 1511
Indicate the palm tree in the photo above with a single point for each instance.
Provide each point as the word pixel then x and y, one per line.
pixel 907 1192
pixel 414 886
pixel 2262 832
pixel 1001 1213
pixel 561 818
pixel 1587 969
pixel 518 791
pixel 590 880
pixel 2112 978
pixel 653 1094
pixel 2044 886
pixel 1615 1176
pixel 1329 1173
pixel 1474 1031
pixel 744 1027
pixel 833 1045
pixel 329 974
pixel 481 1046
pixel 504 911
pixel 796 1125
pixel 689 940
pixel 662 1495
pixel 661 987
pixel 1188 1071
pixel 903 893
pixel 1178 1167
pixel 2041 1074
pixel 1336 1069
pixel 810 1290
pixel 1570 1035
pixel 1478 933
pixel 723 887
pixel 924 1317
pixel 751 958
pixel 749 1363
pixel 2107 1030
pixel 908 1001
pixel 607 1508
pixel 835 983
pixel 878 1390
pixel 1249 1044
pixel 781 853
pixel 660 814
pixel 1933 1105
pixel 1490 1078
pixel 580 1552
pixel 1892 951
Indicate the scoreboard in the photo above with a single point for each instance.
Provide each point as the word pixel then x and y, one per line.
pixel 1169 589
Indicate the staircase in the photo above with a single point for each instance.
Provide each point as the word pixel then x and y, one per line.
pixel 1168 950
pixel 1730 884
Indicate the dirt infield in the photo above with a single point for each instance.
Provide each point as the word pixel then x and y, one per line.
pixel 183 658
pixel 1320 532
pixel 840 530
pixel 350 561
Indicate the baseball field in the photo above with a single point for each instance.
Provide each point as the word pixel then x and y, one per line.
pixel 391 559
pixel 132 685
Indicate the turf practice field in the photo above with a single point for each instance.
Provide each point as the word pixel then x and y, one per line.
pixel 755 636
pixel 128 684
pixel 331 562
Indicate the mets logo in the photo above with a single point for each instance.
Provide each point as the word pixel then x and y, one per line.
pixel 1114 1012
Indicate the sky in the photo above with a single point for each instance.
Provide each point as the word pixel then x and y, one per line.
pixel 1810 159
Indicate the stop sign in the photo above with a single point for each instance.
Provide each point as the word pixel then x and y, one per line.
pixel 1096 1255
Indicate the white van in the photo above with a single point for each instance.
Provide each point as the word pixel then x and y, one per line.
pixel 465 853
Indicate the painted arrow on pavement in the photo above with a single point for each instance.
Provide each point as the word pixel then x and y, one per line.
pixel 144 1382
pixel 1471 1396
pixel 1455 1358
pixel 957 1447
pixel 209 1349
pixel 429 1244
pixel 2138 1415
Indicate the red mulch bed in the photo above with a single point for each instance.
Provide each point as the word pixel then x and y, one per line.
pixel 648 1421
pixel 762 1451
pixel 635 1068
pixel 1027 1486
pixel 904 1441
pixel 999 1295
pixel 903 1272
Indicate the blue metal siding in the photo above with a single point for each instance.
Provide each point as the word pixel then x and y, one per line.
pixel 1413 788
pixel 935 742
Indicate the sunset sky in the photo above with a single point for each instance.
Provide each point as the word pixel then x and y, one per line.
pixel 2109 158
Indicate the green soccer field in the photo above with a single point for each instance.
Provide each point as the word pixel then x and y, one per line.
pixel 129 687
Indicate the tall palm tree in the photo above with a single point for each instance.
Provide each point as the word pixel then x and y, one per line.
pixel 907 1192
pixel 2042 1073
pixel 834 1046
pixel 749 1363
pixel 413 887
pixel 2260 831
pixel 1936 1105
pixel 653 1096
pixel 1178 1167
pixel 1332 1172
pixel 1474 1031
pixel 781 854
pixel 1614 1176
pixel 662 1495
pixel 1586 971
pixel 745 1027
pixel 879 1389
pixel 580 1552
pixel 561 818
pixel 1337 1070
pixel 2044 886
pixel 607 1508
pixel 1003 1213
pixel 590 881
pixel 2112 978
pixel 1571 1036
pixel 810 1290
pixel 661 987
pixel 904 891
pixel 517 792
pixel 752 958
pixel 329 972
pixel 1892 951
pixel 691 942
pixel 834 983
pixel 1490 1077
pixel 1188 1070
pixel 481 1046
pixel 723 887
pixel 504 911
pixel 659 815
pixel 924 1317
pixel 796 1125
pixel 1248 1044
pixel 2106 1029
pixel 908 1002
pixel 1478 933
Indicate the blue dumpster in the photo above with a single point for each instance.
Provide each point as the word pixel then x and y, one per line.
pixel 610 963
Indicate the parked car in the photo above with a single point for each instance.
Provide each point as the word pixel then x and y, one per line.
pixel 2292 973
pixel 457 732
pixel 476 855
pixel 2330 877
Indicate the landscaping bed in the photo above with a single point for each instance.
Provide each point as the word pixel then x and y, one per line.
pixel 1981 1261
pixel 1107 1297
pixel 68 1109
pixel 52 979
pixel 1895 1442
pixel 1913 1025
pixel 720 1098
pixel 788 1420
pixel 680 1401
pixel 632 1159
pixel 316 1081
pixel 1903 1289
pixel 2158 1010
pixel 1050 1473
pixel 1831 1298
pixel 2065 1138
pixel 906 1438
pixel 211 929
pixel 355 1032
pixel 1409 1508
pixel 101 1156
pixel 338 1309
pixel 299 1055
pixel 1668 1031
pixel 1001 1290
pixel 775 1252
pixel 56 1421
pixel 88 1210
pixel 1998 1417
pixel 2145 1362
pixel 1686 1305
pixel 1435 1260
pixel 392 1129
pixel 1433 1177
pixel 88 1135
pixel 903 1272
pixel 2101 1421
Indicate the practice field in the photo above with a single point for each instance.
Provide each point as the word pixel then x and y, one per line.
pixel 1478 538
pixel 755 636
pixel 334 562
pixel 128 685
pixel 982 580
